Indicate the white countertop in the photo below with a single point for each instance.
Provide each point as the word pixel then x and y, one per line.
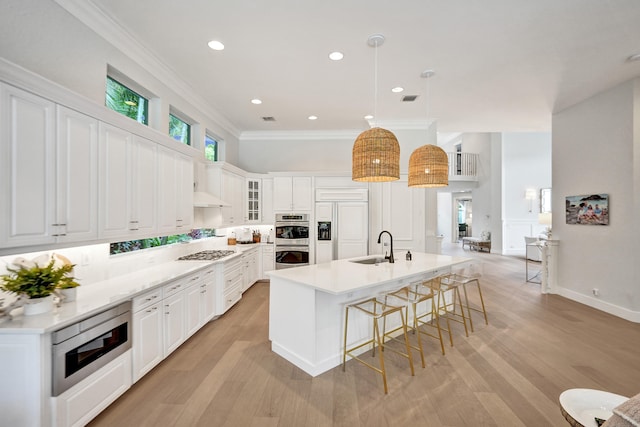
pixel 96 297
pixel 343 276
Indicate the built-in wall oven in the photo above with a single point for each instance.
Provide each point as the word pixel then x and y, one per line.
pixel 291 256
pixel 86 346
pixel 292 240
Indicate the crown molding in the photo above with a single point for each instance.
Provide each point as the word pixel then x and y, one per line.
pixel 298 135
pixel 110 30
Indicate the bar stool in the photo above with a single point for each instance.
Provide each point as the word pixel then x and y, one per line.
pixel 448 309
pixel 376 309
pixel 415 295
pixel 431 316
pixel 409 297
pixel 463 280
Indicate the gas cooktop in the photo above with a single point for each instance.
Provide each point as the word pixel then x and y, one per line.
pixel 206 255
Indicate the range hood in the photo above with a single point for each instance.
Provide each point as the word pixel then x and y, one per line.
pixel 202 199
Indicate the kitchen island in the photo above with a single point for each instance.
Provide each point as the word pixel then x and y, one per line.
pixel 306 307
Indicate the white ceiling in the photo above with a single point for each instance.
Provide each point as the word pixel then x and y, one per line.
pixel 501 65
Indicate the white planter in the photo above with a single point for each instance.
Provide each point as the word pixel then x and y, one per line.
pixel 69 294
pixel 38 305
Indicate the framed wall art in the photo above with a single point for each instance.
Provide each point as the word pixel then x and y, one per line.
pixel 590 209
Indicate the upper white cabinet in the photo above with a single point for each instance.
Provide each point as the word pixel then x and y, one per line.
pixel 228 183
pixel 144 192
pixel 115 190
pixel 127 184
pixel 232 193
pixel 48 190
pixel 77 176
pixel 184 191
pixel 175 192
pixel 268 216
pixel 254 200
pixel 292 193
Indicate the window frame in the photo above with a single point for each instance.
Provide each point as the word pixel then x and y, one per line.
pixel 127 88
pixel 182 119
pixel 209 136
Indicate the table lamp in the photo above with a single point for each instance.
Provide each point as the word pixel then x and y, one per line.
pixel 544 218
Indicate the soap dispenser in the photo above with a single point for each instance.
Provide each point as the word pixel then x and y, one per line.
pixel 408 255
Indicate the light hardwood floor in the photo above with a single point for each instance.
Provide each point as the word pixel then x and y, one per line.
pixel 509 373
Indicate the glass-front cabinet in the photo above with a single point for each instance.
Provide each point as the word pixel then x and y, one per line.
pixel 253 200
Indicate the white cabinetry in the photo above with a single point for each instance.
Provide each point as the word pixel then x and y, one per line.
pixel 292 193
pixel 228 183
pixel 48 190
pixel 81 403
pixel 127 184
pixel 231 290
pixel 160 324
pixel 253 201
pixel 26 383
pixel 175 192
pixel 232 193
pixel 174 322
pixel 268 260
pixel 268 216
pixel 184 190
pixel 147 332
pixel 250 268
pixel 402 214
pixel 76 176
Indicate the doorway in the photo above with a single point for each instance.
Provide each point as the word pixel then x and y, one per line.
pixel 462 217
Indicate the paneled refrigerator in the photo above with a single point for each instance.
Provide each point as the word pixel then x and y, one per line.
pixel 342 224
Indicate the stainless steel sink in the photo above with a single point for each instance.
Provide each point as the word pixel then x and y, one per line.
pixel 373 260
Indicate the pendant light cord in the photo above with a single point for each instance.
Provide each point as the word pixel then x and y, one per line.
pixel 375 87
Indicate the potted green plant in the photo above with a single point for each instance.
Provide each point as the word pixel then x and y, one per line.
pixel 36 282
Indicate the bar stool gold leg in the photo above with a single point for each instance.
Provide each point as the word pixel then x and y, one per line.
pixel 344 346
pixel 376 309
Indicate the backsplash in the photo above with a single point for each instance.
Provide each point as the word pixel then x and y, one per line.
pixel 93 262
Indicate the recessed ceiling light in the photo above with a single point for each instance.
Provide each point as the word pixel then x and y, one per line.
pixel 216 45
pixel 256 101
pixel 397 89
pixel 313 117
pixel 130 103
pixel 336 56
pixel 634 58
pixel 368 117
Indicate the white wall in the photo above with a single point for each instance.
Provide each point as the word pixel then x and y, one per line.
pixel 595 150
pixel 526 164
pixel 44 38
pixel 287 153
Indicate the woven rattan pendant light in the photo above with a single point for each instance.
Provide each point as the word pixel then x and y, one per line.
pixel 376 152
pixel 429 164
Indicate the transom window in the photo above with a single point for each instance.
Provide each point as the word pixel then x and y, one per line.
pixel 179 130
pixel 136 245
pixel 127 102
pixel 210 148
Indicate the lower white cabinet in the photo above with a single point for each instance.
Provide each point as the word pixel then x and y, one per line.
pixel 268 260
pixel 174 316
pixel 164 318
pixel 250 268
pixel 147 333
pixel 81 403
pixel 231 290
